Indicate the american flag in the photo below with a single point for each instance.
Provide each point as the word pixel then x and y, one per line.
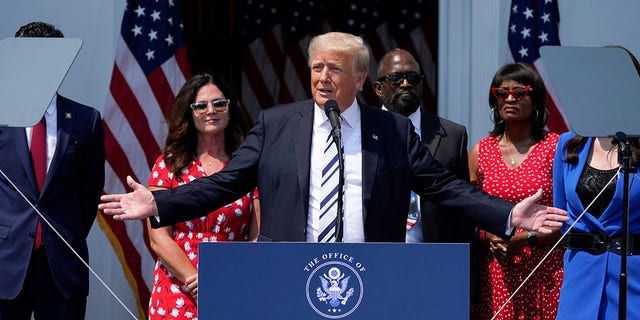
pixel 150 67
pixel 532 24
pixel 277 34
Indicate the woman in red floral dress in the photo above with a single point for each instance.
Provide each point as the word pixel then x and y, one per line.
pixel 205 127
pixel 512 163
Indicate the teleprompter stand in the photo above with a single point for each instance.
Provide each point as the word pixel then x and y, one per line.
pixel 597 88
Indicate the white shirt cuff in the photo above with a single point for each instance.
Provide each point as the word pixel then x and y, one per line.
pixel 509 229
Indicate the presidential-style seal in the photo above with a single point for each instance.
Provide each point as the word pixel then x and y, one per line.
pixel 334 289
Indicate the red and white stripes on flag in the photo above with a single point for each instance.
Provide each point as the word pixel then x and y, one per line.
pixel 275 70
pixel 532 24
pixel 150 67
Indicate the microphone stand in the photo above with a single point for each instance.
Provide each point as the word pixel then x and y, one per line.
pixel 337 140
pixel 624 157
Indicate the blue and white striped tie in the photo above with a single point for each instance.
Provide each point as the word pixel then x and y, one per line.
pixel 329 188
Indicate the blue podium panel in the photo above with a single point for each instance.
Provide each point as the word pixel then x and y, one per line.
pixel 240 280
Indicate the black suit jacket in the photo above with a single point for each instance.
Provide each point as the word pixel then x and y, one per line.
pixel 276 157
pixel 69 200
pixel 447 142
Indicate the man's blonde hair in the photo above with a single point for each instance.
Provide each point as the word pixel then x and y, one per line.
pixel 341 42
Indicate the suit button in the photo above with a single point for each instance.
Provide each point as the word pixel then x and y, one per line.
pixel 32 235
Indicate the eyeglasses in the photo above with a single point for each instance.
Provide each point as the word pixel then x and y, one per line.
pixel 219 106
pixel 517 93
pixel 396 78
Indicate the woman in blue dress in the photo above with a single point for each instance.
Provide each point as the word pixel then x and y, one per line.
pixel 583 167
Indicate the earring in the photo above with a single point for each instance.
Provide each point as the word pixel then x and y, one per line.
pixel 537 113
pixel 493 115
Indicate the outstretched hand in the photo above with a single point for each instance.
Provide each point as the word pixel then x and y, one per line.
pixel 137 204
pixel 529 215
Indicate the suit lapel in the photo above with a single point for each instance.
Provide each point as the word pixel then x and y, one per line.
pixel 432 132
pixel 371 139
pixel 302 130
pixel 64 126
pixel 22 150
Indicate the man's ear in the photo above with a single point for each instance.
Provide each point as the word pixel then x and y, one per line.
pixel 359 80
pixel 377 87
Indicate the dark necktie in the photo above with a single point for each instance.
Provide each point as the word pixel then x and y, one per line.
pixel 414 213
pixel 39 157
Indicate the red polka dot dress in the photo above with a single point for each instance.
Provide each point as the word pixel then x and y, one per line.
pixel 500 276
pixel 169 298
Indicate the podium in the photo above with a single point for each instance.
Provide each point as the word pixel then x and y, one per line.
pixel 270 280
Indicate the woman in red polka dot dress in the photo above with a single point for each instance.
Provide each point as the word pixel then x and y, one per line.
pixel 512 163
pixel 205 127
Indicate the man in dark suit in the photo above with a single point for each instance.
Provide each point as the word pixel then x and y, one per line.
pixel 399 87
pixel 39 273
pixel 283 153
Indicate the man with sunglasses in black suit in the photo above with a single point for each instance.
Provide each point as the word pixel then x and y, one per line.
pixel 400 88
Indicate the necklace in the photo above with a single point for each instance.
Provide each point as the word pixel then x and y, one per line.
pixel 522 149
pixel 210 162
pixel 513 159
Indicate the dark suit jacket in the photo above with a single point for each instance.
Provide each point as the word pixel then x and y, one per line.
pixel 69 200
pixel 276 157
pixel 447 142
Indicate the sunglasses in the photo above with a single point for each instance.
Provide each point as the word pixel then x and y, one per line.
pixel 219 106
pixel 517 93
pixel 396 78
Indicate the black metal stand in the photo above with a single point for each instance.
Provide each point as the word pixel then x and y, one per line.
pixel 624 158
pixel 337 140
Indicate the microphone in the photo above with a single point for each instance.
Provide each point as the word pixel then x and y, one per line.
pixel 332 111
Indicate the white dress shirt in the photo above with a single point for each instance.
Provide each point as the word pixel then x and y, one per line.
pixel 352 142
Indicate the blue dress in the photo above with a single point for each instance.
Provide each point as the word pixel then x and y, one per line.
pixel 590 289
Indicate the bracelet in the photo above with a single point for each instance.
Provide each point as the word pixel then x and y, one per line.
pixel 482 235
